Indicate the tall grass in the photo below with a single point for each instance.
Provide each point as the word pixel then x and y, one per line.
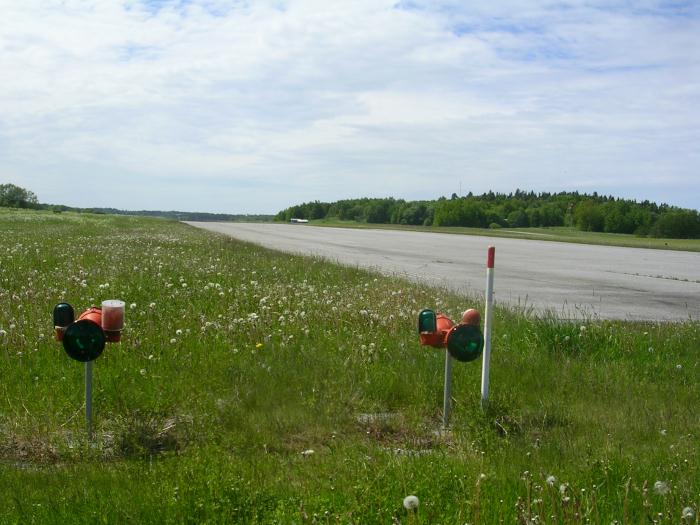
pixel 257 387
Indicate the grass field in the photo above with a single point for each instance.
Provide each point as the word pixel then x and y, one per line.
pixel 257 387
pixel 558 234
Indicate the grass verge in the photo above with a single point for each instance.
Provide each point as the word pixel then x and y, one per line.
pixel 257 387
pixel 555 234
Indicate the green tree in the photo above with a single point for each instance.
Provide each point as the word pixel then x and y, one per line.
pixel 15 197
pixel 678 224
pixel 589 217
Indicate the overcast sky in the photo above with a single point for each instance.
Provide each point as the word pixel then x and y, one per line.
pixel 252 106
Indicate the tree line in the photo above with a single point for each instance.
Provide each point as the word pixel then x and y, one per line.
pixel 587 212
pixel 12 196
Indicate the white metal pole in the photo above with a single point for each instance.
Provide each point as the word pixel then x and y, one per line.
pixel 487 326
pixel 88 397
pixel 447 396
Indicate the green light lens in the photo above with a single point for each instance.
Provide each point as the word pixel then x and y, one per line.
pixel 63 314
pixel 427 321
pixel 84 341
pixel 465 342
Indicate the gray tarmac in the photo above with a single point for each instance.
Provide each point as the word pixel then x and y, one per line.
pixel 575 281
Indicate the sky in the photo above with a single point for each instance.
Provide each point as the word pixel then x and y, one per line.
pixel 252 106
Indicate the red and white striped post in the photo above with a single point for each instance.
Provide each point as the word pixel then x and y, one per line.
pixel 487 326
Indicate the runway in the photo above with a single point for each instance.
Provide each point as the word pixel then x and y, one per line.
pixel 571 280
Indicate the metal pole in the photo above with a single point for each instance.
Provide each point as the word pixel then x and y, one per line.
pixel 487 326
pixel 447 397
pixel 88 397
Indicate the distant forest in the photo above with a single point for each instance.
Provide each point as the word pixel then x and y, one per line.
pixel 521 209
pixel 17 197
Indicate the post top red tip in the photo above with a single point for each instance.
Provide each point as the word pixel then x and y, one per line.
pixel 491 256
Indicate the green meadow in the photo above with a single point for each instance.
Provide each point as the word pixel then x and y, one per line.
pixel 253 386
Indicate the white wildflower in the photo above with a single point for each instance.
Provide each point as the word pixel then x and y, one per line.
pixel 411 503
pixel 661 488
pixel 308 452
pixel 688 513
pixel 551 480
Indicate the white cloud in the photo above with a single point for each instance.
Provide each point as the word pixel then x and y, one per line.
pixel 253 106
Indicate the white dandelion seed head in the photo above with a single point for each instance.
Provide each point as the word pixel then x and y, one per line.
pixel 551 480
pixel 3 333
pixel 152 305
pixel 173 341
pixel 411 502
pixel 142 371
pixel 308 452
pixel 688 513
pixel 132 306
pixel 661 488
pixel 178 332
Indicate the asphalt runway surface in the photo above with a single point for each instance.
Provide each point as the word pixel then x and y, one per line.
pixel 574 281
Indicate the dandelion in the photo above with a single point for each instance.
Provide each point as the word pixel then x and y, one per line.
pixel 411 503
pixel 688 513
pixel 173 341
pixel 308 452
pixel 142 371
pixel 152 305
pixel 551 480
pixel 258 345
pixel 3 333
pixel 678 367
pixel 661 488
pixel 12 327
pixel 178 332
